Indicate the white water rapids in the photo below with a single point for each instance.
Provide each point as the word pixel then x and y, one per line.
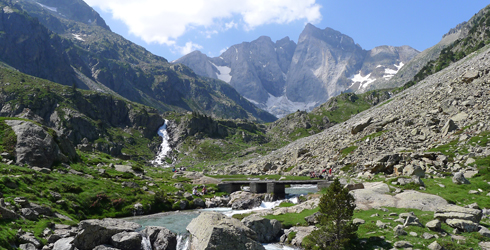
pixel 178 221
pixel 164 147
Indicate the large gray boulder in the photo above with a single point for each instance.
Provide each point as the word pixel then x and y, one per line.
pixel 244 200
pixel 161 238
pixel 456 212
pixel 463 225
pixel 459 178
pixel 99 232
pixel 64 244
pixel 127 241
pixel 216 231
pixel 35 146
pixel 266 230
pixel 300 234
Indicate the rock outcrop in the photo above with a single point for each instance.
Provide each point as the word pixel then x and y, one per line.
pixel 98 232
pixel 217 231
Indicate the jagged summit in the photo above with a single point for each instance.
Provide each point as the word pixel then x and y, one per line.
pixel 284 77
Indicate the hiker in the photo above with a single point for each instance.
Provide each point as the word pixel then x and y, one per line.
pixel 194 191
pixel 173 169
pixel 204 190
pixel 330 171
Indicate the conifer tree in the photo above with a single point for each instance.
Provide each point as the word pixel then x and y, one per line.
pixel 335 230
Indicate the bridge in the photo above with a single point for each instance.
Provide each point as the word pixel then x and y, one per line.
pixel 269 186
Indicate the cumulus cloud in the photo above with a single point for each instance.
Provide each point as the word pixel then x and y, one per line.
pixel 164 21
pixel 188 48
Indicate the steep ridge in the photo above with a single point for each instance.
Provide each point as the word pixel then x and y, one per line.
pixel 283 77
pixel 88 55
pixel 443 117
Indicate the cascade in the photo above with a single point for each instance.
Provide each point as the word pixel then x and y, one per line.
pixel 164 149
pixel 145 242
pixel 183 241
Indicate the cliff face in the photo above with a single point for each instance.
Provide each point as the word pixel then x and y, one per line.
pixel 284 77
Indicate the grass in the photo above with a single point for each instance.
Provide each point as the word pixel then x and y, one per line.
pixel 293 219
pixel 345 151
pixel 373 135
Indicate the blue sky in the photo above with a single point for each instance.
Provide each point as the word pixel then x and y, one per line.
pixel 173 28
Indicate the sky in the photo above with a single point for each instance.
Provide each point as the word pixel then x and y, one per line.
pixel 171 28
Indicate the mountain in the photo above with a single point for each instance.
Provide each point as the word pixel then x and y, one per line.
pixel 284 77
pixel 69 43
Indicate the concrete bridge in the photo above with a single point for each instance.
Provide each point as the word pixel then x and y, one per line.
pixel 268 186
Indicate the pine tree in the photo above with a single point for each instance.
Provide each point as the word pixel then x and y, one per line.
pixel 336 230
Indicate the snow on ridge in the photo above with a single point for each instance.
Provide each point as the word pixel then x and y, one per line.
pixel 389 73
pixel 78 37
pixel 224 73
pixel 363 81
pixel 54 9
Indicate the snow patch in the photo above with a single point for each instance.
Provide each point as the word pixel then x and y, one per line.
pixel 78 37
pixel 363 81
pixel 389 73
pixel 224 73
pixel 53 9
pixel 281 106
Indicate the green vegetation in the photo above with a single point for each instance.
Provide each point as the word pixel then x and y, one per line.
pixel 293 219
pixel 345 151
pixel 335 230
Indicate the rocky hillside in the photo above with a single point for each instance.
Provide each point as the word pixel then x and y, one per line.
pixel 85 53
pixel 441 124
pixel 75 119
pixel 283 77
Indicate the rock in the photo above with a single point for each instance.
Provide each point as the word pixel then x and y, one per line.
pixel 435 246
pixel 433 225
pixel 470 75
pixel 313 219
pixel 458 178
pixel 8 214
pixel 301 233
pixel 381 224
pixel 427 236
pixel 215 229
pixel 402 244
pixel 182 204
pixel 35 146
pixel 358 221
pixel 161 238
pixel 449 127
pixel 484 245
pixel 266 230
pixel 29 213
pixel 27 246
pixel 361 125
pixel 98 232
pixel 412 221
pixel 470 174
pixel 64 244
pixel 456 212
pixel 460 117
pixel 411 170
pixel 485 232
pixel 354 186
pixel 127 241
pixel 399 230
pixel 105 247
pixel 463 225
pixel 244 200
pixel 198 202
pixel 29 238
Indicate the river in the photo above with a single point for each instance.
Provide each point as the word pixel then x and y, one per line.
pixel 178 221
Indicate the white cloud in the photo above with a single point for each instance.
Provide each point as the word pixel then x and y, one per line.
pixel 188 48
pixel 164 21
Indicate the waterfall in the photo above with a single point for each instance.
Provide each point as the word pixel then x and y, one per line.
pixel 145 242
pixel 164 147
pixel 183 241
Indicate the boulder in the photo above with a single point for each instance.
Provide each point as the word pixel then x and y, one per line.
pixel 198 202
pixel 64 244
pixel 361 125
pixel 456 212
pixel 99 232
pixel 435 246
pixel 313 219
pixel 161 238
pixel 244 200
pixel 8 214
pixel 266 230
pixel 301 233
pixel 459 178
pixel 398 230
pixel 29 213
pixel 411 170
pixel 485 232
pixel 402 244
pixel 463 225
pixel 105 247
pixel 216 231
pixel 449 127
pixel 127 241
pixel 484 245
pixel 35 146
pixel 433 225
pixel 27 246
pixel 29 238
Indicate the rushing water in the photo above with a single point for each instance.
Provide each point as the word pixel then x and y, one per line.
pixel 164 147
pixel 178 221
